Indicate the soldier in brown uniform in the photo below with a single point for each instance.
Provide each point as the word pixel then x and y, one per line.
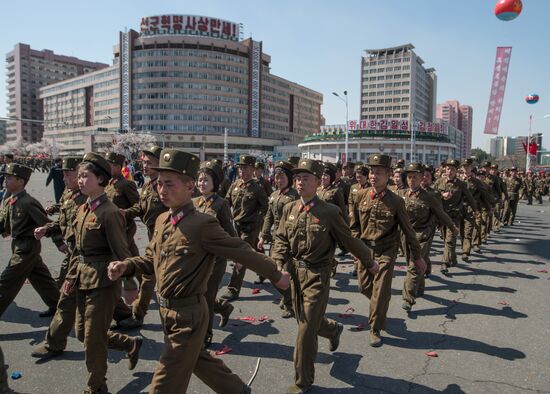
pixel 376 220
pixel 148 208
pixel 471 223
pixel 513 185
pixel 455 194
pixel 100 237
pixel 329 192
pixel 539 187
pixel 209 177
pixel 349 173
pixel 306 238
pixel 427 184
pixel 56 337
pixel 284 194
pixel 424 211
pixel 259 170
pixel 362 182
pixel 342 183
pixel 181 254
pixel 249 204
pixel 497 214
pixel 18 218
pixel 494 187
pixel 123 193
pixel 529 187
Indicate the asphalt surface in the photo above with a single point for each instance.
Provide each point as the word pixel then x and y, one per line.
pixel 488 322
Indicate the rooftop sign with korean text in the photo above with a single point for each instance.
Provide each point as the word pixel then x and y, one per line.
pixel 192 25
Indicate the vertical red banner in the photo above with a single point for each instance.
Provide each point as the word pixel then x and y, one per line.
pixel 498 86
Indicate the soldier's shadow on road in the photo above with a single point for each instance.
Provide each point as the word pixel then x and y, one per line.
pixel 404 338
pixel 451 308
pixel 138 385
pixel 455 287
pixel 345 368
pixel 21 315
pixel 495 274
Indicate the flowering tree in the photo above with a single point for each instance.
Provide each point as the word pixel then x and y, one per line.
pixel 131 144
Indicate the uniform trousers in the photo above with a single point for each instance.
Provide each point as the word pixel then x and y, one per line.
pixel 449 253
pixel 95 309
pixel 184 354
pixel 26 263
pixel 377 287
pixel 310 293
pixel 414 283
pixel 250 236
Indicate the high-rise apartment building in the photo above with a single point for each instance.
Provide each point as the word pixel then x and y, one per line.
pixel 396 85
pixel 459 116
pixel 28 70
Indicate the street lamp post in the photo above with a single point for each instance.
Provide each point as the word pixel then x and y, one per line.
pixel 346 143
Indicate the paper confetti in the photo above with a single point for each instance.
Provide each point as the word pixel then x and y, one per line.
pixel 255 291
pixel 543 271
pixel 225 349
pixel 502 302
pixel 432 354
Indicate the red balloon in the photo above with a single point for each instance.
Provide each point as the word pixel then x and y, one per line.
pixel 506 10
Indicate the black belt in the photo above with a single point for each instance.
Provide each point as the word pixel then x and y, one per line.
pixel 171 303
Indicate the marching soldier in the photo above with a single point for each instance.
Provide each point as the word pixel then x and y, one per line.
pixel 513 185
pixel 454 193
pixel 349 173
pixel 362 182
pixel 259 169
pixel 306 238
pixel 497 214
pixel 540 183
pixel 100 237
pixel 376 220
pixel 18 218
pixel 249 204
pixel 181 254
pixel 284 194
pixel 148 208
pixel 210 176
pixel 225 184
pixel 342 183
pixel 425 212
pixel 495 188
pixel 529 187
pixel 123 193
pixel 60 327
pixel 471 223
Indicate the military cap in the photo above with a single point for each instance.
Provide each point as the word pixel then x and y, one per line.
pixel 314 167
pixel 400 163
pixel 294 160
pixel 486 164
pixel 397 170
pixel 513 169
pixel 468 162
pixel 429 167
pixel 379 160
pixel 178 161
pixel 115 158
pixel 99 161
pixel 8 155
pixel 283 165
pixel 338 166
pixel 259 164
pixel 453 162
pixel 70 163
pixel 217 161
pixel 414 167
pixel 360 167
pixel 494 166
pixel 153 150
pixel 18 170
pixel 214 169
pixel 481 172
pixel 246 160
pixel 330 167
pixel 349 164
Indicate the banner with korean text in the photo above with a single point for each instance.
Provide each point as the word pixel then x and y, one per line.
pixel 500 75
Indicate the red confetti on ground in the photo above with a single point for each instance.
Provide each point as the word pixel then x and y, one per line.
pixel 360 327
pixel 225 349
pixel 400 267
pixel 255 291
pixel 432 354
pixel 502 302
pixel 250 319
pixel 350 310
pixel 263 318
pixel 543 271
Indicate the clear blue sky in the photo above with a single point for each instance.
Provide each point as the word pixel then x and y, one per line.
pixel 320 43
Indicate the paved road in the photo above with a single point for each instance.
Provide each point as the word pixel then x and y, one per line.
pixel 489 323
